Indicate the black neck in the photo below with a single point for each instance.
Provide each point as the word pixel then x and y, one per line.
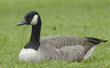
pixel 35 36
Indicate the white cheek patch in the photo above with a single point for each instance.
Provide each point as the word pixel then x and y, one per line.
pixel 34 20
pixel 89 53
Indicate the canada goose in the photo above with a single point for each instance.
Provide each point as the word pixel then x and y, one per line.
pixel 60 47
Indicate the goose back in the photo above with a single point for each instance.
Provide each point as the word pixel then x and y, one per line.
pixel 60 41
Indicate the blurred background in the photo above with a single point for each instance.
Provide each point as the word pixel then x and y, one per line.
pixel 59 17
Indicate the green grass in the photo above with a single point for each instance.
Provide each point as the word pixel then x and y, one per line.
pixel 81 18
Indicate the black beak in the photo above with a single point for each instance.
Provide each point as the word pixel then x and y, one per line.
pixel 22 22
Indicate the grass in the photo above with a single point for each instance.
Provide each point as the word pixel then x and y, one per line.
pixel 70 17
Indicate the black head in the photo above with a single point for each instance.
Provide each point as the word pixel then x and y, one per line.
pixel 31 18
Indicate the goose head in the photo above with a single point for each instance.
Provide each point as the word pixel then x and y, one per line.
pixel 31 18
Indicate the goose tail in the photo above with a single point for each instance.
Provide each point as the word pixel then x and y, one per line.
pixel 95 40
